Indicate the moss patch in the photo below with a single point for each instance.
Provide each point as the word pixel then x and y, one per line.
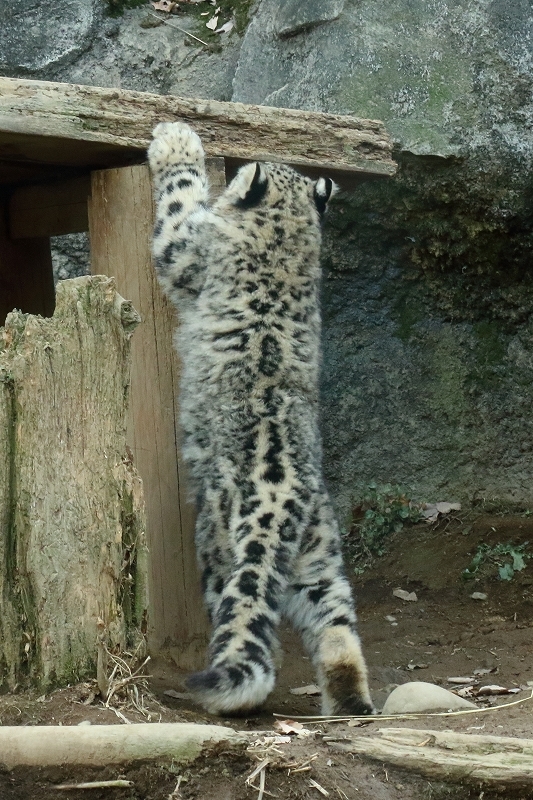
pixel 465 233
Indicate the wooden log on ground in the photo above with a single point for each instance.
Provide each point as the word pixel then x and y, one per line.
pixel 66 124
pixel 72 531
pixel 494 761
pixel 102 745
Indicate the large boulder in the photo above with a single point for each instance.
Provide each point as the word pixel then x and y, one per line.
pixel 38 34
pixel 427 376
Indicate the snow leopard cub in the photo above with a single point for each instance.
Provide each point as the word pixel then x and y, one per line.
pixel 244 274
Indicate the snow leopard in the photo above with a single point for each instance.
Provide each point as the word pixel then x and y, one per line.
pixel 244 274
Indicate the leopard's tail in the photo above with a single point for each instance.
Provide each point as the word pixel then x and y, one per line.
pixel 232 690
pixel 244 643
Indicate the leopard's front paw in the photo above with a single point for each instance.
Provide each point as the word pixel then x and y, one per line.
pixel 174 143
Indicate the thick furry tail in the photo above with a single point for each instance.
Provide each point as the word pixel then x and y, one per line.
pixel 231 689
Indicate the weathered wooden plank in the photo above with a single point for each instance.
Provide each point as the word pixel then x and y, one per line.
pixel 88 126
pixel 26 276
pixel 50 209
pixel 121 219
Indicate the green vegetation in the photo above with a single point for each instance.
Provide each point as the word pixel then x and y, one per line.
pixel 506 559
pixel 386 509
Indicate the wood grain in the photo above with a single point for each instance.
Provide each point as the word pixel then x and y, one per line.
pixel 121 219
pixel 70 125
pixel 50 209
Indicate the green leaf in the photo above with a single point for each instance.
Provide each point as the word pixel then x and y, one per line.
pixel 518 561
pixel 506 572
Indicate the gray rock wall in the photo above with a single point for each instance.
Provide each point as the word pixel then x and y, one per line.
pixel 428 288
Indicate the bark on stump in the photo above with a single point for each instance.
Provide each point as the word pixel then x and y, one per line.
pixel 72 541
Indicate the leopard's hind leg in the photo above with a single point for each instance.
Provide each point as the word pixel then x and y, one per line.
pixel 319 603
pixel 266 535
pixel 212 545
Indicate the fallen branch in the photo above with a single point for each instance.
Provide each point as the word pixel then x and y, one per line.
pixel 494 761
pixel 100 745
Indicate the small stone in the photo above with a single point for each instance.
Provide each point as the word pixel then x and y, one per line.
pixel 479 596
pixel 420 697
pixel 84 723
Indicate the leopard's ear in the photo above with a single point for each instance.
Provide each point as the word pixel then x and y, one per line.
pixel 323 191
pixel 253 183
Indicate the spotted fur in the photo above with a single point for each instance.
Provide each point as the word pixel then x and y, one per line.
pixel 244 274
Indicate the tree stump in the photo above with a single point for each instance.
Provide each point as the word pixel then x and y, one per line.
pixel 72 541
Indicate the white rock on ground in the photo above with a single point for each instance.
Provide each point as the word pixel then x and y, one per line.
pixel 419 697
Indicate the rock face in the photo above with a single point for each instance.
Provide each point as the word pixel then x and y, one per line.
pixel 428 288
pixel 39 34
pixel 438 74
pixel 427 337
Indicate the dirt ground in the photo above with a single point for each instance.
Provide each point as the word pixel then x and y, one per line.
pixel 444 633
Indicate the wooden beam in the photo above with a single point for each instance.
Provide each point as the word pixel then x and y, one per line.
pixel 65 124
pixel 50 209
pixel 120 222
pixel 26 275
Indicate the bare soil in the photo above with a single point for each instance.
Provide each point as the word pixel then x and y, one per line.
pixel 444 633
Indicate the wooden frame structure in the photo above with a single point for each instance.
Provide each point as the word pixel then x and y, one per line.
pixel 72 160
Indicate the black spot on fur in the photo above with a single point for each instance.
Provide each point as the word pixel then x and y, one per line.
pixel 175 207
pixel 274 472
pixel 340 621
pixel 208 679
pixel 270 355
pixel 226 611
pixel 219 643
pixel 236 676
pixel 265 520
pixel 255 653
pixel 254 552
pixel 244 529
pixel 183 183
pixel 272 593
pixel 170 249
pixel 249 506
pixel 316 595
pixel 259 306
pixel 248 583
pixel 293 509
pixel 158 227
pixel 206 574
pixel 261 627
pixel 288 531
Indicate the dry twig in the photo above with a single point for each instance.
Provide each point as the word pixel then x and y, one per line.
pixel 118 784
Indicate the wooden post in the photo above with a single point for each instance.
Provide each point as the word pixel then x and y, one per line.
pixel 120 224
pixel 26 276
